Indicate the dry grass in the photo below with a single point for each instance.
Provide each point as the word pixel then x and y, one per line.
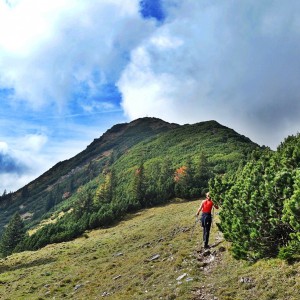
pixel 116 263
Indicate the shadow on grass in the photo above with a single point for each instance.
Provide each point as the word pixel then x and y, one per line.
pixel 293 260
pixel 38 262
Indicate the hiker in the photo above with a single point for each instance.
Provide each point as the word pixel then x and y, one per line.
pixel 206 217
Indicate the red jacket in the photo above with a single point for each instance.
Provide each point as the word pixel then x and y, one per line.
pixel 207 206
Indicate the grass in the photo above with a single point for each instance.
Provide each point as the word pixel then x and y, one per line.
pixel 119 263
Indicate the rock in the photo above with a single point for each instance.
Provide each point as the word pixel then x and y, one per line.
pixel 119 254
pixel 222 249
pixel 117 277
pixel 185 229
pixel 206 253
pixel 154 257
pixel 78 286
pixel 181 277
pixel 146 245
pixel 246 280
pixel 189 279
pixel 210 259
pixel 104 294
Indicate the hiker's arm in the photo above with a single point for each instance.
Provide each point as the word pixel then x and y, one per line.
pixel 216 206
pixel 199 209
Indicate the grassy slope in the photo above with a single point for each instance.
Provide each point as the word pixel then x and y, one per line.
pixel 115 260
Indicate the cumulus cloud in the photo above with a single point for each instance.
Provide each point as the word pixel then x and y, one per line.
pixel 33 142
pixel 237 64
pixel 22 161
pixel 197 61
pixel 9 163
pixel 49 48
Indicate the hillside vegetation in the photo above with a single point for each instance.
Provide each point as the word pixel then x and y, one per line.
pixel 143 257
pixel 132 166
pixel 261 204
pixel 62 180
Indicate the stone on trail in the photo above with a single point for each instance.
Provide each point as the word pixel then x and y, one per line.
pixel 78 286
pixel 246 280
pixel 154 257
pixel 181 276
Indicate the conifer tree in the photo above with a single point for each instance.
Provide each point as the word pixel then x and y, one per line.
pixel 166 180
pixel 106 190
pixel 139 185
pixel 13 235
pixel 84 203
pixel 49 202
pixel 202 173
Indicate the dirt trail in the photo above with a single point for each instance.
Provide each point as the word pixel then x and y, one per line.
pixel 208 260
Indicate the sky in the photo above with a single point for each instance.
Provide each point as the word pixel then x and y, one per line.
pixel 71 69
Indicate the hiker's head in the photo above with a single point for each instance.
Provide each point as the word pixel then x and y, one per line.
pixel 207 195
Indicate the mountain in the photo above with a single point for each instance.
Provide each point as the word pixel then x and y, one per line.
pixel 130 166
pixel 65 177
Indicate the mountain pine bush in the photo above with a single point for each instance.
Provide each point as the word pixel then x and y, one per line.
pixel 260 204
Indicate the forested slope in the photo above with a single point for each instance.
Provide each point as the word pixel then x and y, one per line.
pixel 135 165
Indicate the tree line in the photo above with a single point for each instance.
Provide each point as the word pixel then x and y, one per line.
pixel 109 197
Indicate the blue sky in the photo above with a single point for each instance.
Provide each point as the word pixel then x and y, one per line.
pixel 69 70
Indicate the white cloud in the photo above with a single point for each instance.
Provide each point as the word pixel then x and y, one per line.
pixel 3 147
pixel 33 142
pixel 207 60
pixel 9 182
pixel 236 64
pixel 94 106
pixel 47 48
pixel 22 161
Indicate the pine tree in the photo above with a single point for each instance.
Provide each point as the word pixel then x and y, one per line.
pixel 84 203
pixel 105 191
pixel 202 174
pixel 25 192
pixel 184 181
pixel 165 180
pixel 13 235
pixel 139 185
pixel 49 201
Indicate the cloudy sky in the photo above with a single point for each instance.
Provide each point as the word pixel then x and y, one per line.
pixel 70 69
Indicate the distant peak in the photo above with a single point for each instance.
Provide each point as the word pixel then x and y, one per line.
pixel 148 119
pixel 152 121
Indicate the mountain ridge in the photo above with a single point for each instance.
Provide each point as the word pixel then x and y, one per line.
pixel 118 143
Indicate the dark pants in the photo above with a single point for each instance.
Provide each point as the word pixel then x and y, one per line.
pixel 206 223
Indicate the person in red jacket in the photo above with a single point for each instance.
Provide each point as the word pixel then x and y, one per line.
pixel 206 217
